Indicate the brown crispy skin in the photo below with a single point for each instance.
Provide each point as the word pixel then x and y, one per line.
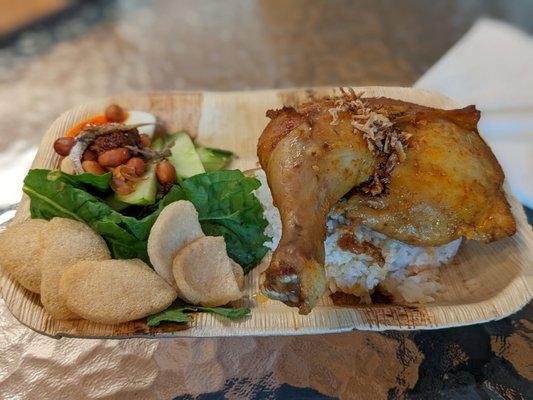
pixel 450 185
pixel 309 165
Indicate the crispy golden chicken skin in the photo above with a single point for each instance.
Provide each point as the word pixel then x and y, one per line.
pixel 420 175
pixel 449 186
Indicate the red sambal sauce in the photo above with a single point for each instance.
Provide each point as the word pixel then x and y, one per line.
pixel 94 120
pixel 113 110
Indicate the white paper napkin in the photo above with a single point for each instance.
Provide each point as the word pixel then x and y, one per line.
pixel 491 67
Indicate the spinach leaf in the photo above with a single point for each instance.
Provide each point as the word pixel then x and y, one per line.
pixel 214 159
pixel 100 182
pixel 227 207
pixel 223 199
pixel 56 194
pixel 178 312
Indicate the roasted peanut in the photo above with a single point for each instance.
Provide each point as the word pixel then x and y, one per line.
pixel 145 140
pixel 115 113
pixel 165 172
pixel 63 145
pixel 89 155
pixel 93 167
pixel 137 164
pixel 114 157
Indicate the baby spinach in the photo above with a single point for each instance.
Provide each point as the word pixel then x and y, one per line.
pixel 179 312
pixel 55 194
pixel 227 207
pixel 223 199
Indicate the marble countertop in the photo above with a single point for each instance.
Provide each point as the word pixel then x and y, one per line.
pixel 99 48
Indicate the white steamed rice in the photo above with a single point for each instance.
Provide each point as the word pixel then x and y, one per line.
pixel 409 274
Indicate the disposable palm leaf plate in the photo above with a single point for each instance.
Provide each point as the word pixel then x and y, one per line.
pixel 484 282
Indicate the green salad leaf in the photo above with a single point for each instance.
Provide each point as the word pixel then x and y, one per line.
pixel 214 159
pixel 100 182
pixel 56 194
pixel 178 312
pixel 223 199
pixel 227 207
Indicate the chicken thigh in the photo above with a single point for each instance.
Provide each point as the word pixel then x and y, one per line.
pixel 420 175
pixel 449 186
pixel 310 165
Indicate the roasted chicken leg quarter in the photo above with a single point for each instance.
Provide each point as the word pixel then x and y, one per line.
pixel 420 175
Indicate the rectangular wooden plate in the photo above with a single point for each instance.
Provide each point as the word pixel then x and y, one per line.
pixel 485 282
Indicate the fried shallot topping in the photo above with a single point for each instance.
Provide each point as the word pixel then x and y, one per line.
pixel 382 136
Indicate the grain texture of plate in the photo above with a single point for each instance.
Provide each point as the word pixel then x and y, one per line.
pixel 485 282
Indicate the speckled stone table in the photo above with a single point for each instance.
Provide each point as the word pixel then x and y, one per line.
pixel 98 48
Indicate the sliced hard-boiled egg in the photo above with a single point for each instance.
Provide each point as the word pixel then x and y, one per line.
pixel 142 117
pixel 66 166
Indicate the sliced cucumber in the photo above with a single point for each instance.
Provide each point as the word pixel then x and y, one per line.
pixel 214 159
pixel 145 189
pixel 184 157
pixel 160 142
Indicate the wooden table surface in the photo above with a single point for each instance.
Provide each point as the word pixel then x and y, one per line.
pixel 99 48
